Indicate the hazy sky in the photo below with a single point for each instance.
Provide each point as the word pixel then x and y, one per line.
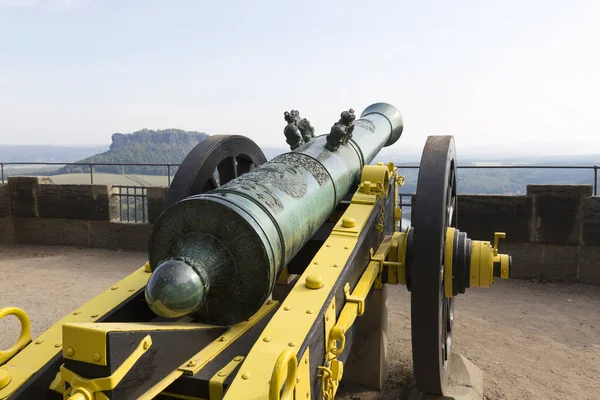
pixel 74 72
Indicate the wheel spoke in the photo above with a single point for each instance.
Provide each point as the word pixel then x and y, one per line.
pixel 243 165
pixel 213 181
pixel 234 164
pixel 227 170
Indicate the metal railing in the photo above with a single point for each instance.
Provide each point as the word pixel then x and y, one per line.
pixel 90 167
pixel 133 199
pixel 168 166
pixel 404 205
pixel 593 168
pixel 133 203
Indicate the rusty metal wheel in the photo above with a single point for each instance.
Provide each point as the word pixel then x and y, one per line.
pixel 432 313
pixel 213 162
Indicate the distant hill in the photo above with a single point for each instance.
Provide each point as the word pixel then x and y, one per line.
pixel 43 153
pixel 169 146
pixel 172 146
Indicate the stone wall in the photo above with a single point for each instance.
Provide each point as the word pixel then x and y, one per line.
pixel 7 225
pixel 41 212
pixel 553 232
pixel 156 198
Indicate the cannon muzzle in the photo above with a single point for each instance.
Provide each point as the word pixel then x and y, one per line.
pixel 216 256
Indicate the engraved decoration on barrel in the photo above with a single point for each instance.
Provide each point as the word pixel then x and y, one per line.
pixel 234 276
pixel 309 164
pixel 256 183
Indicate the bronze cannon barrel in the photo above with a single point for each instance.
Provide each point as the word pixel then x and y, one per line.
pixel 216 256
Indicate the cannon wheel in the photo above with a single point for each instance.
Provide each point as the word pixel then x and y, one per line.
pixel 432 314
pixel 214 161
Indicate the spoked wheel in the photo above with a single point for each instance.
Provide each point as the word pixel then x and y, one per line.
pixel 432 313
pixel 213 162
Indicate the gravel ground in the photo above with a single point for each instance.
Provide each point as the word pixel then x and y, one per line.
pixel 532 340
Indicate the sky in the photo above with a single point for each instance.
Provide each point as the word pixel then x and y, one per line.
pixel 490 73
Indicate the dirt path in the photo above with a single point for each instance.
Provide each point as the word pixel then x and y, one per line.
pixel 533 341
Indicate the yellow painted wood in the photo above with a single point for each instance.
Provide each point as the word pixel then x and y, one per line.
pixel 290 326
pixel 41 350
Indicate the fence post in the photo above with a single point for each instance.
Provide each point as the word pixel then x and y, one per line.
pixel 91 174
pixel 169 174
pixel 2 171
pixel 595 180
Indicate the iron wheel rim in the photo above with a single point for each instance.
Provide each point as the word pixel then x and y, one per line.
pixel 432 313
pixel 212 163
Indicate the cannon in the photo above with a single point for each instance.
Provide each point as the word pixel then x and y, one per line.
pixel 268 279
